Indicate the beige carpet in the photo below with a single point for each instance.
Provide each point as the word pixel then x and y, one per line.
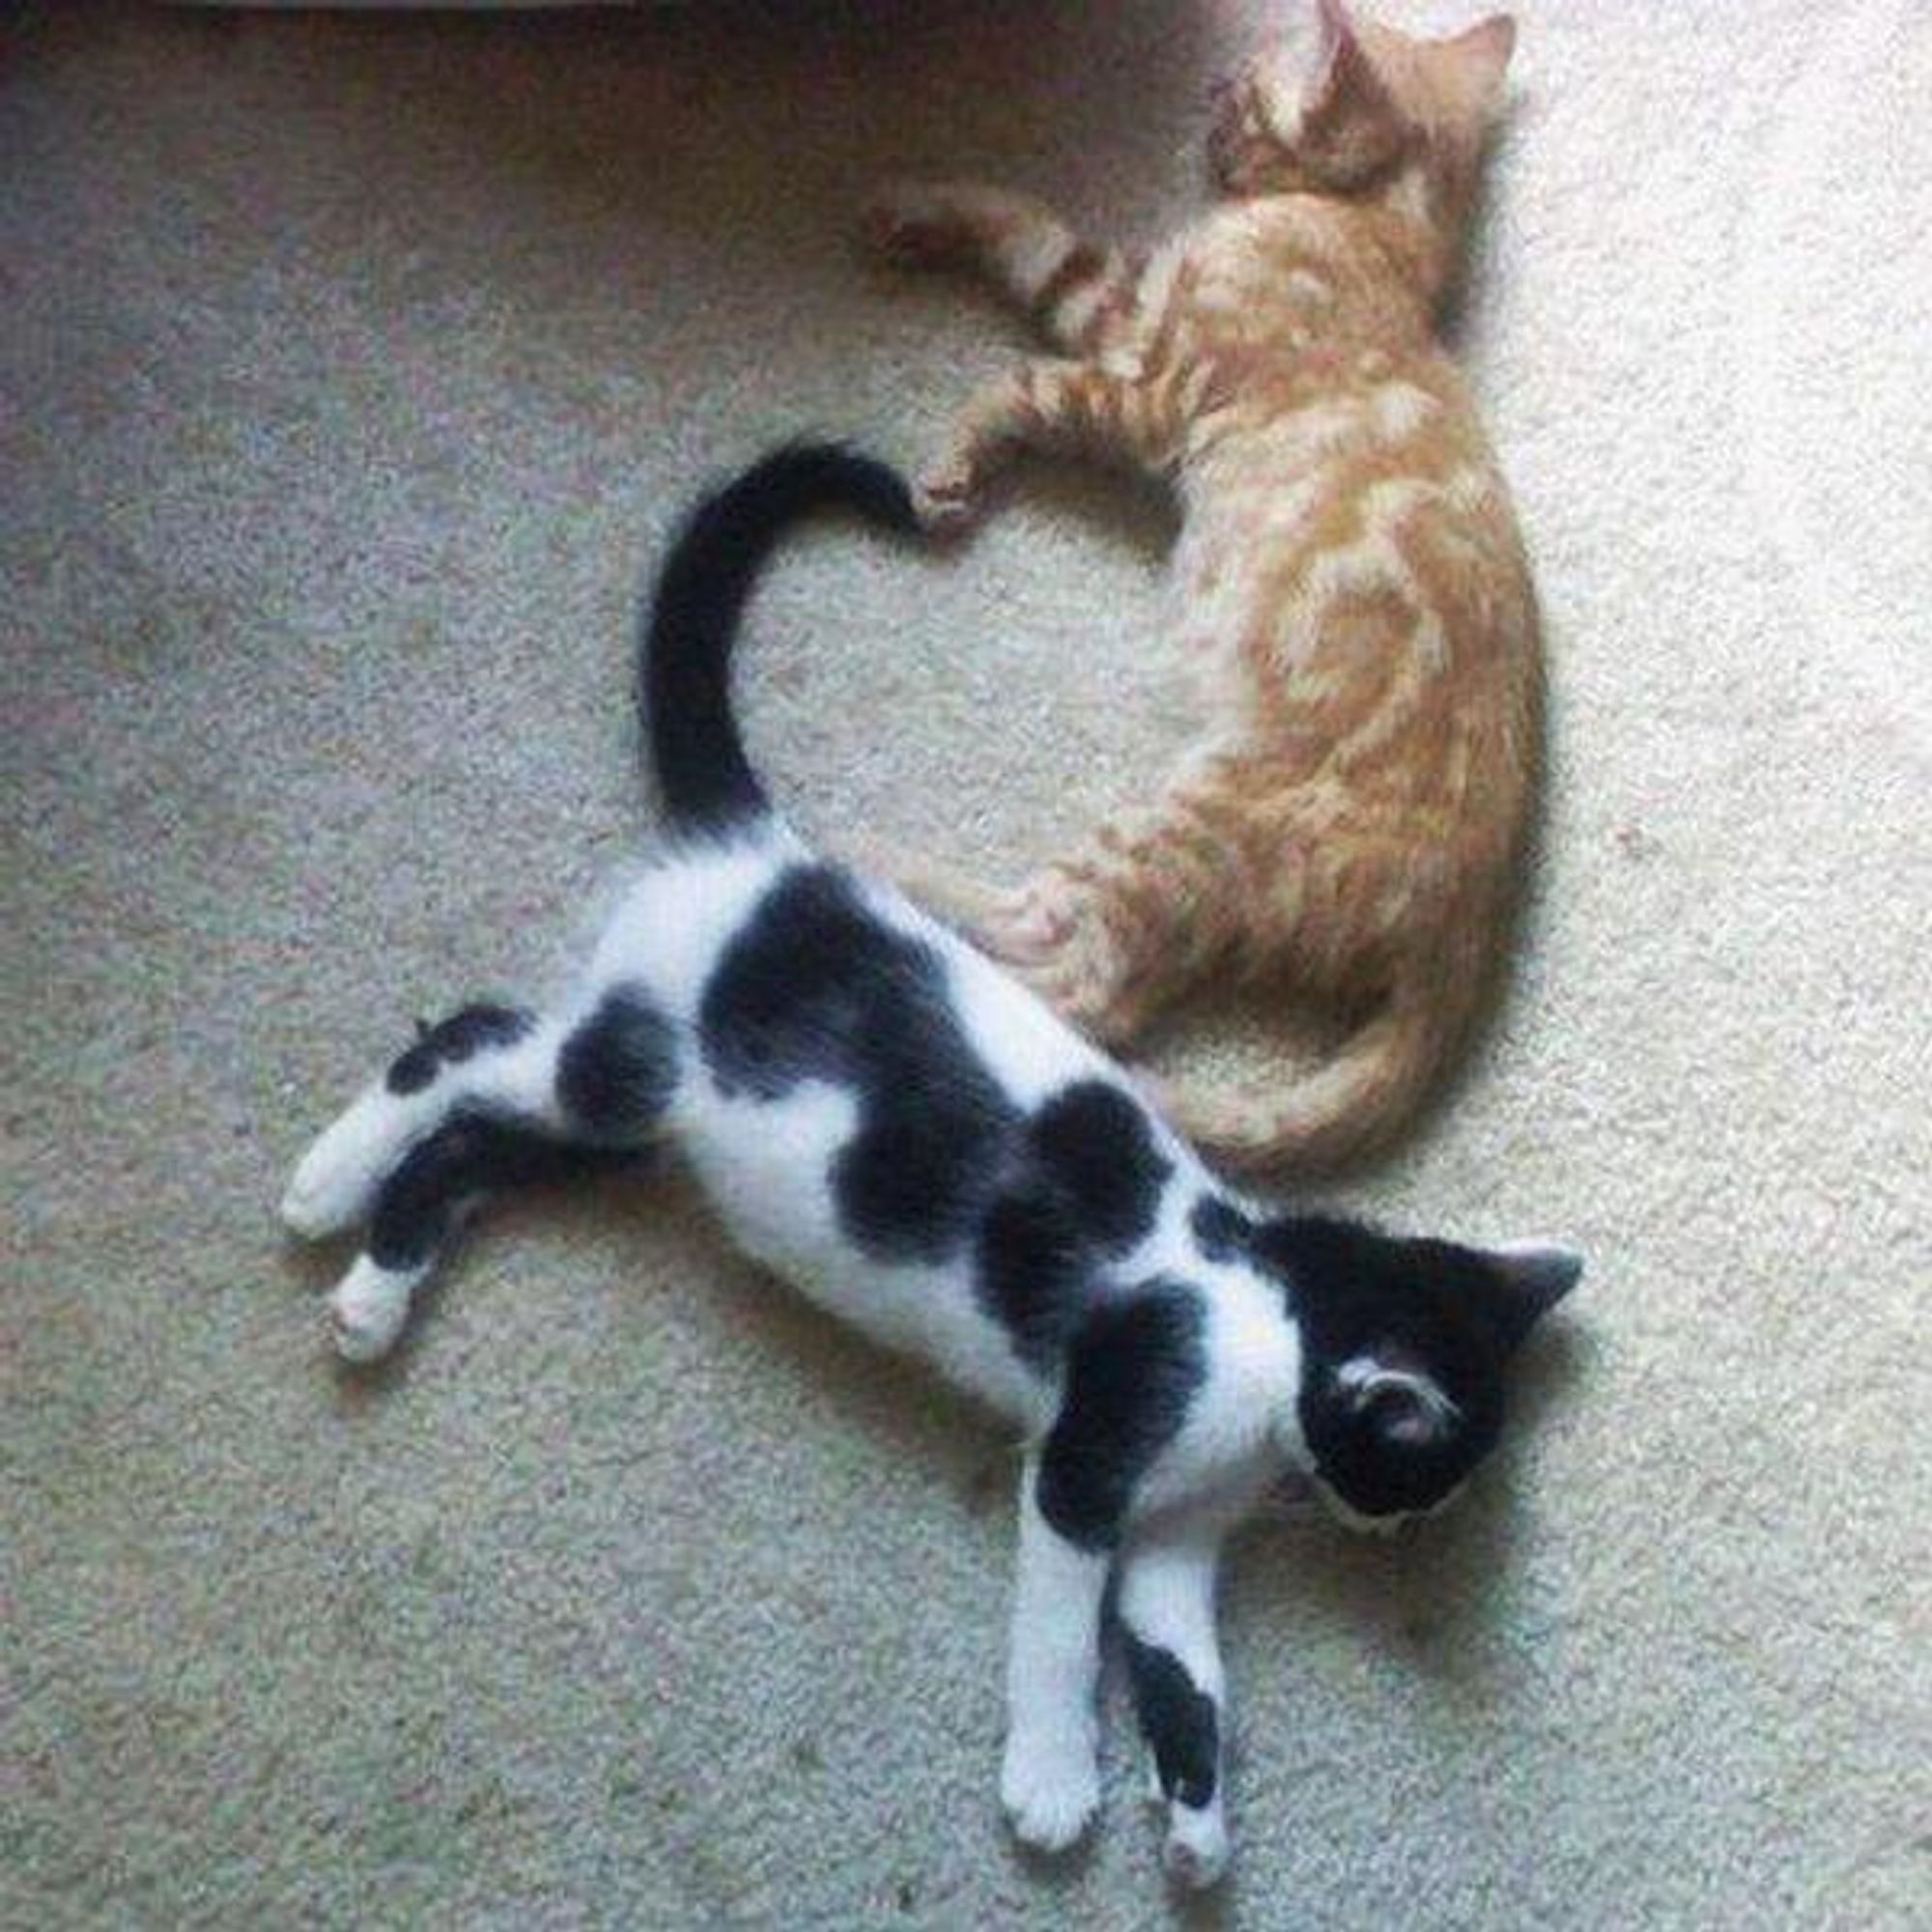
pixel 353 369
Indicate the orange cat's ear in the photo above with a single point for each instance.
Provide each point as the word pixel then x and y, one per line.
pixel 1478 59
pixel 1335 22
pixel 1350 126
pixel 1344 68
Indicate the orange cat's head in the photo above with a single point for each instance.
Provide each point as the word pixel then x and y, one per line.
pixel 1366 112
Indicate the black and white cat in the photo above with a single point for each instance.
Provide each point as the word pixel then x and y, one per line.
pixel 884 1116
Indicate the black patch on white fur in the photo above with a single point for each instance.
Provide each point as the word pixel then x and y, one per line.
pixel 1096 1142
pixel 618 1071
pixel 1178 1721
pixel 455 1039
pixel 1035 1271
pixel 469 1156
pixel 1087 1190
pixel 1133 1370
pixel 1220 1229
pixel 816 987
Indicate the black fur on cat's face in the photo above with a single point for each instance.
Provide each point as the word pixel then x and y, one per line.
pixel 1405 1344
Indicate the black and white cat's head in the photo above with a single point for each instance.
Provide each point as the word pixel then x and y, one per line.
pixel 1405 1345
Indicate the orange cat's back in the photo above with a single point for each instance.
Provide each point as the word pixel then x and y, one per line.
pixel 1351 592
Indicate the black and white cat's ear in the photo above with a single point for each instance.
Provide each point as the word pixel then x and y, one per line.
pixel 1405 1408
pixel 1531 1277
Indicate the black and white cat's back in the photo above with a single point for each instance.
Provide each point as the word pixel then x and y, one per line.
pixel 877 1112
pixel 884 1116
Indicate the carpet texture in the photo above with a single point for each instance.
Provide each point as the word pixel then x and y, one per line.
pixel 352 370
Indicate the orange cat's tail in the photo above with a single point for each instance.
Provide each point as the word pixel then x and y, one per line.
pixel 1360 1099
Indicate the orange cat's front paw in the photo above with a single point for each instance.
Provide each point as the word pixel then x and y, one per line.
pixel 947 498
pixel 915 225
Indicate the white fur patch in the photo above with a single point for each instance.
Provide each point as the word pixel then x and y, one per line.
pixel 1400 408
pixel 369 1307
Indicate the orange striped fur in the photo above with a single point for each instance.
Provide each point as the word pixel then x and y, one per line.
pixel 1353 595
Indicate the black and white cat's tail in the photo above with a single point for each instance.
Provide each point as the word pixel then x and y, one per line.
pixel 684 669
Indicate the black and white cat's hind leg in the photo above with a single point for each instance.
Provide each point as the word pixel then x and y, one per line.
pixel 490 1099
pixel 335 1185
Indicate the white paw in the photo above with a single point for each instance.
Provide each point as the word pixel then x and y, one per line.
pixel 1050 1790
pixel 367 1310
pixel 335 1182
pixel 1196 1853
pixel 946 500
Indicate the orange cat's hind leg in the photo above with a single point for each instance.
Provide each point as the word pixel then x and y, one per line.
pixel 1111 937
pixel 1144 911
pixel 1050 930
pixel 1057 937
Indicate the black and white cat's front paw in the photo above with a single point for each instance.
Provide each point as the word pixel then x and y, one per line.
pixel 1049 1786
pixel 368 1308
pixel 1196 1852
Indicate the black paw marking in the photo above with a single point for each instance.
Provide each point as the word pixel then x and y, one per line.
pixel 1096 1143
pixel 1221 1231
pixel 1178 1721
pixel 618 1071
pixel 453 1040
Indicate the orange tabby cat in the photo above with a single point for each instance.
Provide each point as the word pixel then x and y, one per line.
pixel 1352 592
